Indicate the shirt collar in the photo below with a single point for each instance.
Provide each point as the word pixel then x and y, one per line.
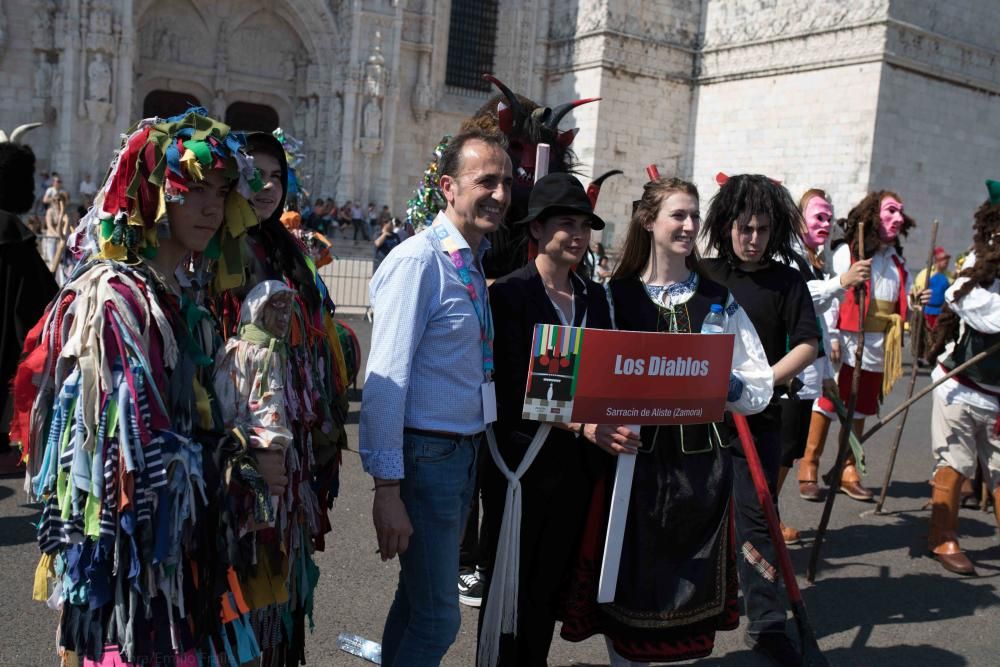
pixel 460 241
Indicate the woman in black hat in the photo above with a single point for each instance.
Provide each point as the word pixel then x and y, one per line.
pixel 677 579
pixel 556 488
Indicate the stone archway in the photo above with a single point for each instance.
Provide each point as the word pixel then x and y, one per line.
pixel 250 117
pixel 166 103
pixel 285 55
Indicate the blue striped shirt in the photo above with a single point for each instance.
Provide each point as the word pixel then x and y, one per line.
pixel 425 367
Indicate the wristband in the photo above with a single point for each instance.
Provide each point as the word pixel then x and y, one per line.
pixel 579 431
pixel 392 482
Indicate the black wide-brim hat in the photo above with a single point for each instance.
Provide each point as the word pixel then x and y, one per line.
pixel 559 192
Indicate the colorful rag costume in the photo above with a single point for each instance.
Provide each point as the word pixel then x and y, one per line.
pixel 124 448
pixel 677 579
pixel 281 581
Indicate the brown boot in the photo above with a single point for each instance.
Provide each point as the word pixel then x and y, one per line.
pixel 788 534
pixel 996 505
pixel 809 489
pixel 850 480
pixel 942 539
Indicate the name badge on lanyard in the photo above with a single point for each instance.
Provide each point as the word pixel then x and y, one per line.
pixel 487 389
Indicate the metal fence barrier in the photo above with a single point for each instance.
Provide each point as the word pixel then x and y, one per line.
pixel 347 279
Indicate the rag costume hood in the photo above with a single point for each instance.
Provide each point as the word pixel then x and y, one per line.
pixel 157 160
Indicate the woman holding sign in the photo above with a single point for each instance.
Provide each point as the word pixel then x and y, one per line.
pixel 556 488
pixel 677 579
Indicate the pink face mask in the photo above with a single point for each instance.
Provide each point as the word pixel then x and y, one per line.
pixel 818 215
pixel 890 219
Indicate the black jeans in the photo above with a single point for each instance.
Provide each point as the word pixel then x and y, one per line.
pixel 757 557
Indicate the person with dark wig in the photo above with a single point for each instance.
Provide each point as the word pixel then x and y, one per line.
pixel 965 418
pixel 26 284
pixel 143 496
pixel 279 586
pixel 751 222
pixel 885 308
pixel 677 579
pixel 825 291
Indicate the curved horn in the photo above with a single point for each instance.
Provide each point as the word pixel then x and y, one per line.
pixel 594 189
pixel 3 137
pixel 563 109
pixel 21 129
pixel 511 97
pixel 606 175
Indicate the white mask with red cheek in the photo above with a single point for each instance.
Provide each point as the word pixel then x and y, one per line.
pixel 819 217
pixel 890 219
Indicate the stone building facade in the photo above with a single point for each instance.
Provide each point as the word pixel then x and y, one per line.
pixel 848 95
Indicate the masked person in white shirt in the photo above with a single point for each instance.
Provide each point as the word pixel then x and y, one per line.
pixel 965 422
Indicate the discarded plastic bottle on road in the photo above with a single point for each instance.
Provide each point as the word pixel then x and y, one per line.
pixel 361 647
pixel 715 321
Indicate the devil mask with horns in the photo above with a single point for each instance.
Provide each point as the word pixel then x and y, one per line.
pixel 525 124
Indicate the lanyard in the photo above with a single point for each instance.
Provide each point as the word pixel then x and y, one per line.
pixel 482 309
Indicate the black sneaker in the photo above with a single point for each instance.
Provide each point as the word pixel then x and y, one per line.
pixel 776 647
pixel 470 588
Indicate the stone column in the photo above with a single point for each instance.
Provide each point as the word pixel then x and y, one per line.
pixel 390 108
pixel 345 185
pixel 68 19
pixel 125 68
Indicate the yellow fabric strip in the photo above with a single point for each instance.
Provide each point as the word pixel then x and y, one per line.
pixel 44 572
pixel 883 317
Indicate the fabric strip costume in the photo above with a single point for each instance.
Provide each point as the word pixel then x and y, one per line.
pixel 113 409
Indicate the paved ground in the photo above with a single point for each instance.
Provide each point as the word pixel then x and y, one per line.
pixel 877 601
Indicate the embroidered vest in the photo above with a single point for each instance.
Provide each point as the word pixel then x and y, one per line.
pixel 970 344
pixel 635 311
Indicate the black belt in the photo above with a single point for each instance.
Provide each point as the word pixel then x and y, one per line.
pixel 447 435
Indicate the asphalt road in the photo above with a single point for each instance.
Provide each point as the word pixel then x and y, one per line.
pixel 878 600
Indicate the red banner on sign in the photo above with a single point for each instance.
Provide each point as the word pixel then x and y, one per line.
pixel 627 377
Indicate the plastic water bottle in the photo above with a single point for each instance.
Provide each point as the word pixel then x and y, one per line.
pixel 715 321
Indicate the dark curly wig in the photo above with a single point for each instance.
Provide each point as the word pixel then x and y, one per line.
pixel 739 199
pixel 985 270
pixel 17 177
pixel 867 211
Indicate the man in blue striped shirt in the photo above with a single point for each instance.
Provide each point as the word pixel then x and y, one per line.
pixel 427 395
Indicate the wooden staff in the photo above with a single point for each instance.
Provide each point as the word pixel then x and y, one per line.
pixel 918 335
pixel 852 401
pixel 902 407
pixel 812 656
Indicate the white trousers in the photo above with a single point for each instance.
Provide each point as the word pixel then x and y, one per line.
pixel 959 434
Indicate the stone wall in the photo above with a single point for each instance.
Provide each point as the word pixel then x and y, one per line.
pixel 808 129
pixel 935 143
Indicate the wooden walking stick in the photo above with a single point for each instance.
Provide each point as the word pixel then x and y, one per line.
pixel 918 334
pixel 812 656
pixel 852 402
pixel 902 407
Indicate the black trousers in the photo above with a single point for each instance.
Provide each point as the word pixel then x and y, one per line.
pixel 756 555
pixel 796 413
pixel 555 494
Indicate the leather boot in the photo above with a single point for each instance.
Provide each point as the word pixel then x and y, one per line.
pixel 942 539
pixel 850 480
pixel 809 489
pixel 789 534
pixel 996 505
